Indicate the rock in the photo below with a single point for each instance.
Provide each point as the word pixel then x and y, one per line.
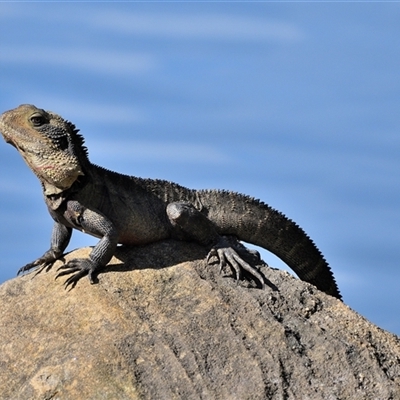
pixel 160 324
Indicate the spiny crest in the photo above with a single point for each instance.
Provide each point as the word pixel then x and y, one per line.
pixel 77 140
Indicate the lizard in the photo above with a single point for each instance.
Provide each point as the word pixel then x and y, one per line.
pixel 128 210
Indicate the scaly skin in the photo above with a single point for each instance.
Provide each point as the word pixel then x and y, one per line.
pixel 128 210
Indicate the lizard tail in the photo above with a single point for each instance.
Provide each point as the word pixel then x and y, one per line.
pixel 255 222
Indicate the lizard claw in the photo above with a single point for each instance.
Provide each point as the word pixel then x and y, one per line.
pixel 225 253
pixel 45 266
pixel 42 263
pixel 29 266
pixel 79 267
pixel 227 256
pixel 220 257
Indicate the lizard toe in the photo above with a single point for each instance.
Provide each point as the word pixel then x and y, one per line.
pixel 227 255
pixel 27 268
pixel 79 267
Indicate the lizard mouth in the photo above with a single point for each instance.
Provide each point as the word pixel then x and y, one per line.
pixel 3 130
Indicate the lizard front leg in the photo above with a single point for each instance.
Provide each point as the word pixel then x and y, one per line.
pixel 60 238
pixel 96 224
pixel 192 224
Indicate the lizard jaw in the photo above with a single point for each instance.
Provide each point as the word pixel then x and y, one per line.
pixel 57 169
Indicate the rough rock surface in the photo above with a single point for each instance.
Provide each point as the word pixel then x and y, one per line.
pixel 162 325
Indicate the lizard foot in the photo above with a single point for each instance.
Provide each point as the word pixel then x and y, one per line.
pixel 42 263
pixel 37 266
pixel 226 253
pixel 79 267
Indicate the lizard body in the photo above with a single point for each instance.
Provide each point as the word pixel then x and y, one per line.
pixel 121 209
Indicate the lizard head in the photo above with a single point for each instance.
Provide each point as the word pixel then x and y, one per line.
pixel 50 146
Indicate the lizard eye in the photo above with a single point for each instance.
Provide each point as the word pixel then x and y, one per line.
pixel 38 120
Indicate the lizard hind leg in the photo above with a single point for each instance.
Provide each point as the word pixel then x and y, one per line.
pixel 190 224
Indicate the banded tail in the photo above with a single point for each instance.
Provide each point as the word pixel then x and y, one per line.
pixel 255 222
